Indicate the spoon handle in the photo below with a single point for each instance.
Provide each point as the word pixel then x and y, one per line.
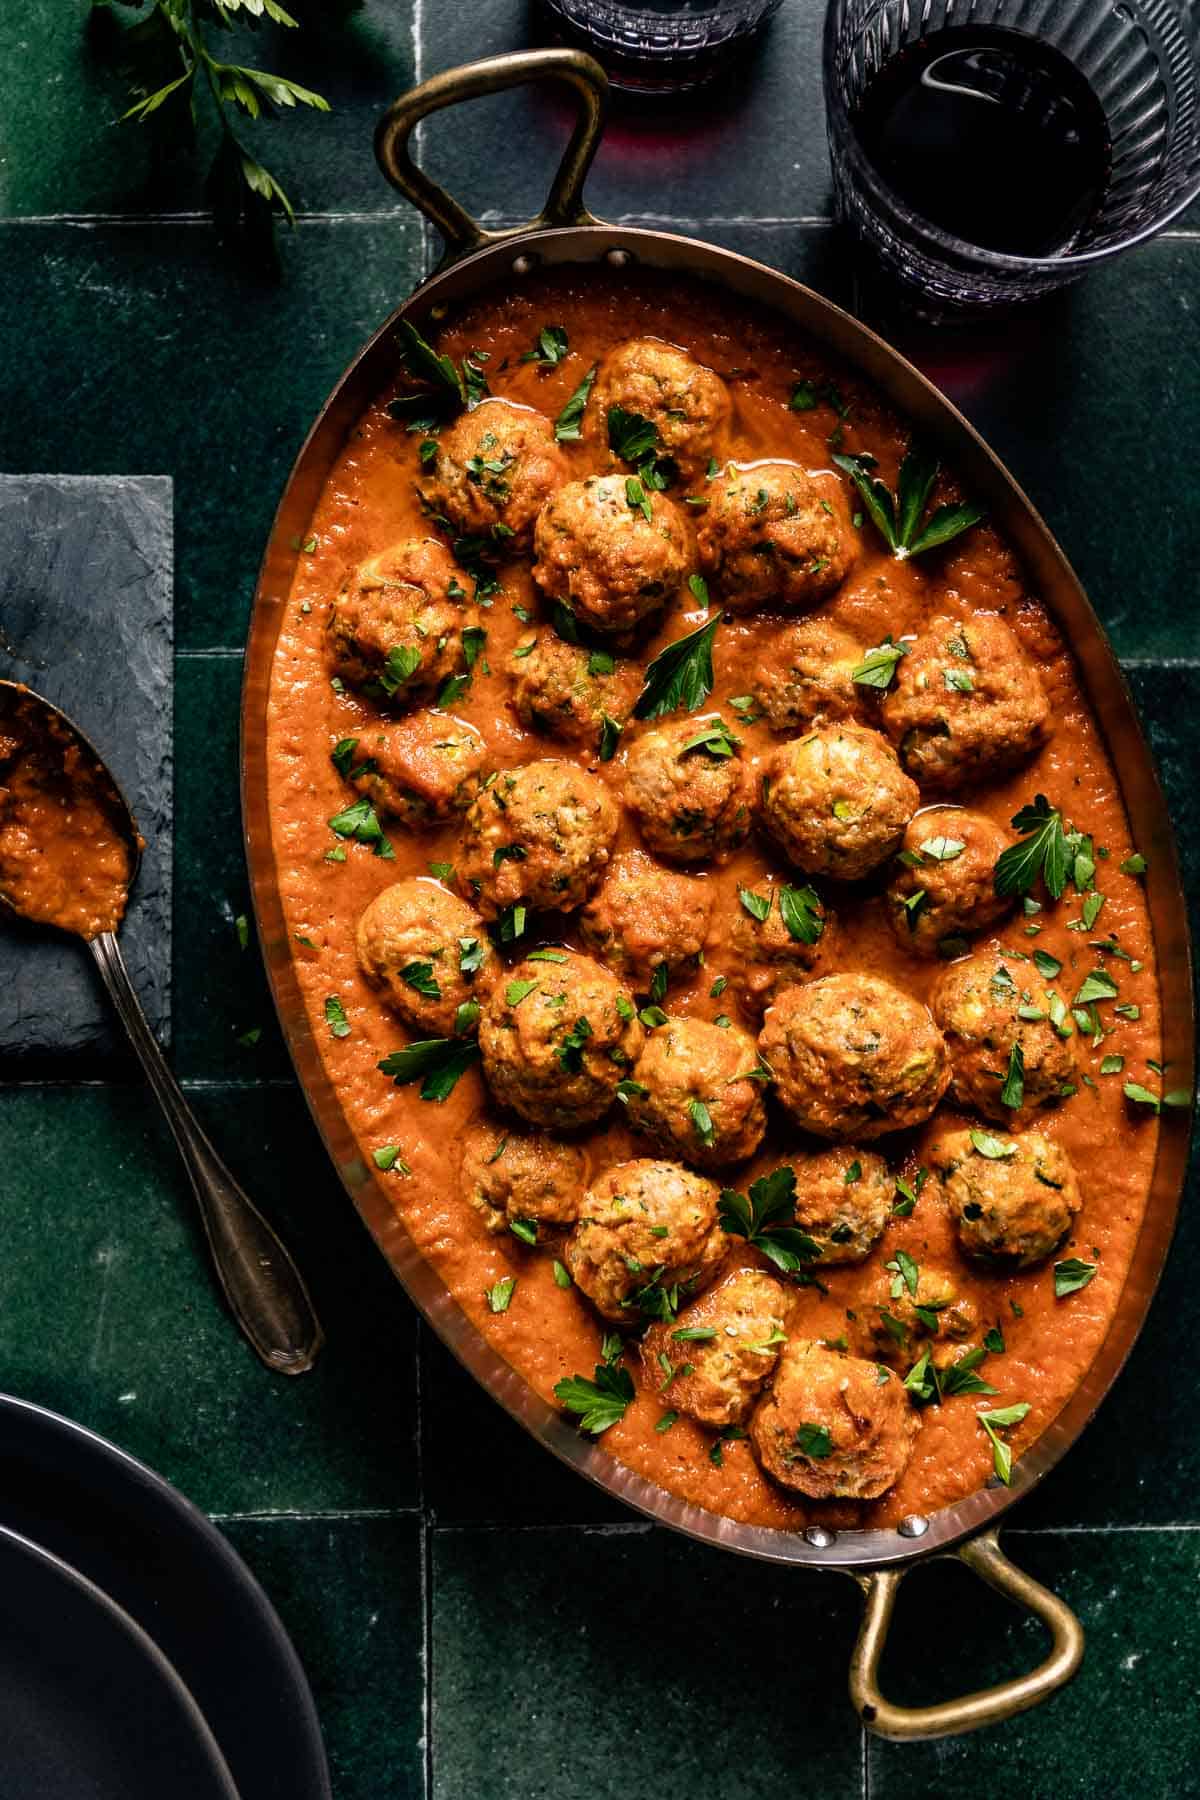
pixel 262 1284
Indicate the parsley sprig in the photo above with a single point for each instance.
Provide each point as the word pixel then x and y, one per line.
pixel 766 1218
pixel 898 517
pixel 1043 850
pixel 437 1063
pixel 175 74
pixel 600 1403
pixel 681 675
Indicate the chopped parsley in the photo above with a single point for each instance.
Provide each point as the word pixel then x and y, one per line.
pixel 570 1051
pixel 550 348
pixel 1071 1275
pixel 766 1218
pixel 878 667
pixel 898 518
pixel 567 426
pixel 681 675
pixel 757 905
pixel 994 1148
pixel 811 1441
pixel 702 1123
pixel 437 1063
pixel 600 1403
pixel 335 1018
pixel 998 1420
pixel 1012 1094
pixel 499 1297
pixel 420 977
pixel 715 739
pixel 800 910
pixel 360 822
pixel 1044 850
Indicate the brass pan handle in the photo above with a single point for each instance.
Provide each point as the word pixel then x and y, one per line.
pixel 989 1705
pixel 564 203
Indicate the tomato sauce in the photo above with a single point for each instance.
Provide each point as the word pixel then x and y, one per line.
pixel 64 859
pixel 548 1333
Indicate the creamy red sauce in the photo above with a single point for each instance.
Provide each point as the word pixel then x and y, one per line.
pixel 368 503
pixel 64 858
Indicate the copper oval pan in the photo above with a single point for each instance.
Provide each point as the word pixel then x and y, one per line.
pixel 566 234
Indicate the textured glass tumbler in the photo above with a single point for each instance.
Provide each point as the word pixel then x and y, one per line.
pixel 1142 60
pixel 660 46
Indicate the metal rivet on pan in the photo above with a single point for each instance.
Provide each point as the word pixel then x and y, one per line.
pixel 913 1525
pixel 522 265
pixel 820 1537
pixel 617 259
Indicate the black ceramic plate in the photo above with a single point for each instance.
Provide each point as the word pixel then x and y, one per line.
pixel 88 1705
pixel 153 1553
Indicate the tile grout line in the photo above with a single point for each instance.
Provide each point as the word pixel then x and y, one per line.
pixel 379 215
pixel 426 1533
pixel 319 1517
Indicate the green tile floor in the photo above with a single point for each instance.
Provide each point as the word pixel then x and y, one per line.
pixel 478 1623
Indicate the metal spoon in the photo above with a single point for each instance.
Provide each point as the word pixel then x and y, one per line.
pixel 264 1288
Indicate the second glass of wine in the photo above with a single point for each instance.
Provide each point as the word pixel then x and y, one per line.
pixel 661 46
pixel 985 152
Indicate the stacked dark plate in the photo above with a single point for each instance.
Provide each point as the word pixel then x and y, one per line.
pixel 138 1656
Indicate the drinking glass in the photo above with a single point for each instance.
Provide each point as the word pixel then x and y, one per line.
pixel 1141 59
pixel 660 46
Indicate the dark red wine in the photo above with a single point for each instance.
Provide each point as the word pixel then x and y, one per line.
pixel 991 135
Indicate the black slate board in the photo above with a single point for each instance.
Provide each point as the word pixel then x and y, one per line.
pixel 86 619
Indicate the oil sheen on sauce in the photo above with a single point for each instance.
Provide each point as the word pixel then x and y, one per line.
pixel 548 1333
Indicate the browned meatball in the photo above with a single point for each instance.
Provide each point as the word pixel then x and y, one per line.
pixel 778 949
pixel 556 1035
pixel 645 1228
pixel 495 466
pixel 428 952
pixel 522 1181
pixel 396 629
pixel 1012 1199
pixel 831 1428
pixel 995 1051
pixel 422 770
pixel 853 1057
pixel 692 803
pixel 804 675
pixel 696 1093
pixel 836 801
pixel 687 404
pixel 643 917
pixel 942 884
pixel 896 1324
pixel 967 704
pixel 714 1359
pixel 598 553
pixel 539 834
pixel 774 535
pixel 843 1198
pixel 569 692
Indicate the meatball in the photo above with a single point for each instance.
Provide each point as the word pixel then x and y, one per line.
pixel 837 801
pixel 843 1198
pixel 895 1323
pixel 645 1228
pixel 967 704
pixel 830 1428
pixel 642 918
pixel 804 675
pixel 568 692
pixel 396 629
pixel 600 554
pixel 422 770
pixel 692 803
pixel 427 951
pixel 556 1035
pixel 713 1360
pixel 1012 1199
pixel 774 535
pixel 495 466
pixel 853 1057
pixel 540 834
pixel 780 948
pixel 942 885
pixel 686 403
pixel 523 1179
pixel 696 1093
pixel 994 1050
